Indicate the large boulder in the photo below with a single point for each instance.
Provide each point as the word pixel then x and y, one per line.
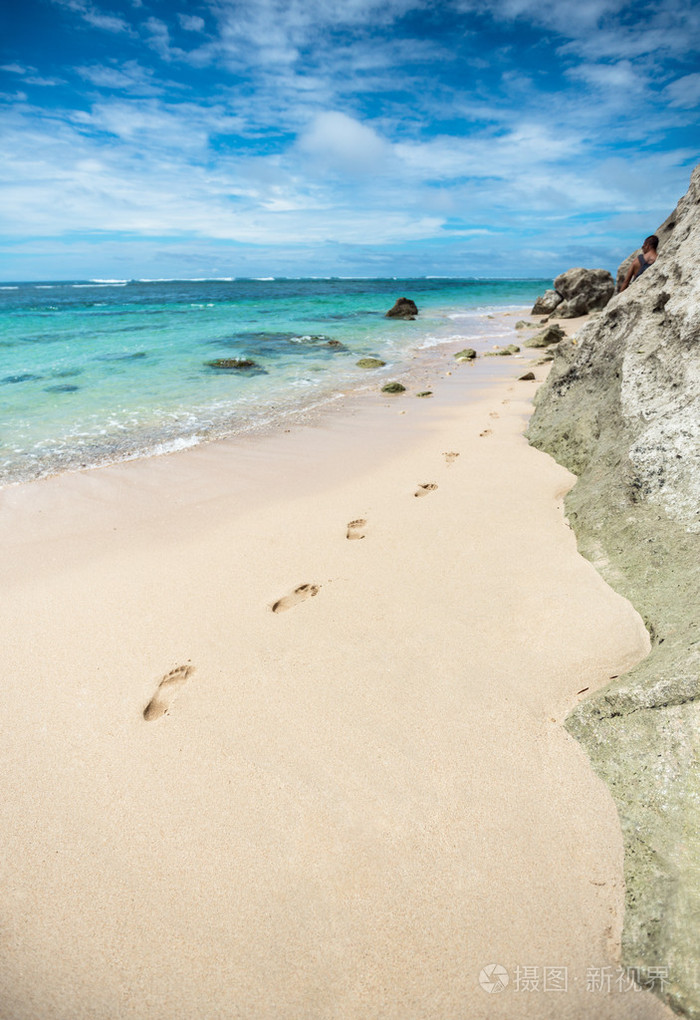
pixel 403 309
pixel 546 303
pixel 583 291
pixel 621 409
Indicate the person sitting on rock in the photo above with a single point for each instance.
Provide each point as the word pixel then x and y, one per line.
pixel 648 257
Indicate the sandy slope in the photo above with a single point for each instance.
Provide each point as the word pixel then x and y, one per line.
pixel 347 806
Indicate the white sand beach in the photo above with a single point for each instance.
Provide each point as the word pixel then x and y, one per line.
pixel 352 790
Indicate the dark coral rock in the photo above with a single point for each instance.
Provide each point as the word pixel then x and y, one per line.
pixel 404 308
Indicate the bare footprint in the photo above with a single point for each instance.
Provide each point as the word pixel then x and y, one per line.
pixel 450 457
pixel 355 528
pixel 495 414
pixel 167 692
pixel 424 489
pixel 486 432
pixel 300 594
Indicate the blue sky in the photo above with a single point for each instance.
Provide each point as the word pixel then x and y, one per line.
pixel 149 138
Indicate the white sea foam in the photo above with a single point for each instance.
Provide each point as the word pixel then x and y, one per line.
pixel 170 446
pixel 187 279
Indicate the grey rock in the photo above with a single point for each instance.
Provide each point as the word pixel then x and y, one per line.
pixel 621 409
pixel 404 308
pixel 504 352
pixel 551 335
pixel 546 303
pixel 244 365
pixel 528 377
pixel 583 291
pixel 370 363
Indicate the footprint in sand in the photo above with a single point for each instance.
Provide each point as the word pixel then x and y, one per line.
pixel 450 457
pixel 494 414
pixel 167 692
pixel 300 594
pixel 486 432
pixel 424 489
pixel 355 528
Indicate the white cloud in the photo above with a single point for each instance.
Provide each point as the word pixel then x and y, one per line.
pixel 107 22
pixel 37 79
pixel 621 77
pixel 191 22
pixel 129 77
pixel 334 141
pixel 684 92
pixel 95 17
pixel 159 38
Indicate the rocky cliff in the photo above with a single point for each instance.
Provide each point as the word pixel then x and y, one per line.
pixel 621 409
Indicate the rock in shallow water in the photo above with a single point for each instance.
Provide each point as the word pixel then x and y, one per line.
pixel 404 308
pixel 235 365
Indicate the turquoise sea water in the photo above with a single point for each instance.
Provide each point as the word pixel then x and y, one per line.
pixel 97 371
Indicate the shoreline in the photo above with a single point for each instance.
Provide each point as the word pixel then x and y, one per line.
pixel 344 802
pixel 187 404
pixel 325 434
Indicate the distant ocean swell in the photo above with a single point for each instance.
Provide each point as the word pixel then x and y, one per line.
pixel 98 371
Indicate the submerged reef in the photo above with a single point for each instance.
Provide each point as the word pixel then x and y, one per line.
pixel 621 409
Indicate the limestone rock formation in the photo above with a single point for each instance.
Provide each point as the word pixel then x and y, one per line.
pixel 583 291
pixel 403 309
pixel 546 303
pixel 576 292
pixel 621 409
